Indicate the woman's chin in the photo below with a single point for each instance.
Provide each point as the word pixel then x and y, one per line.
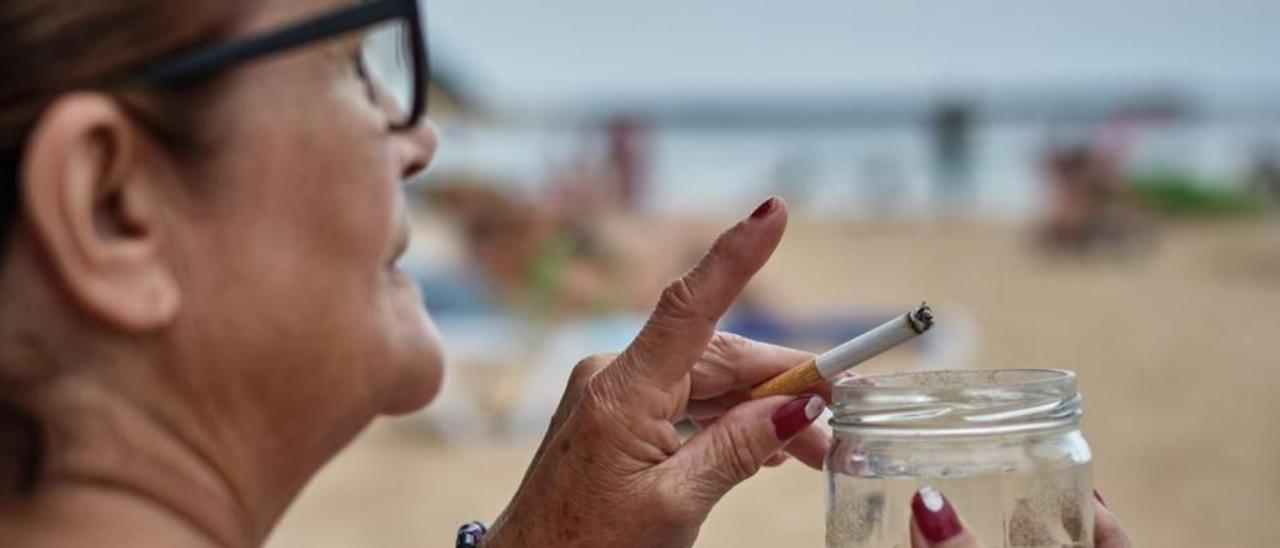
pixel 419 370
pixel 412 374
pixel 417 385
pixel 410 399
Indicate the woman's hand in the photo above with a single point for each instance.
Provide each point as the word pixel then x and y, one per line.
pixel 934 524
pixel 612 470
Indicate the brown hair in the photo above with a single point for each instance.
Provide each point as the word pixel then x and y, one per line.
pixel 51 47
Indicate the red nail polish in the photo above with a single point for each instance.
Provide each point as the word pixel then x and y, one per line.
pixel 1098 496
pixel 791 418
pixel 764 209
pixel 934 516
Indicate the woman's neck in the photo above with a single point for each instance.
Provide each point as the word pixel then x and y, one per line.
pixel 83 514
pixel 117 475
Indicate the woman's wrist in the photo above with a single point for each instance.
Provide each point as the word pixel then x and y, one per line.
pixel 523 523
pixel 498 534
pixel 507 531
pixel 495 538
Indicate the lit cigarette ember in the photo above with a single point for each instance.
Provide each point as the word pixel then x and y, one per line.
pixel 824 368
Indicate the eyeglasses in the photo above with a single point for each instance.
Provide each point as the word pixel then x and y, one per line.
pixel 393 53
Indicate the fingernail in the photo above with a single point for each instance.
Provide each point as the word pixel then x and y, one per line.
pixel 764 209
pixel 791 418
pixel 1098 496
pixel 934 516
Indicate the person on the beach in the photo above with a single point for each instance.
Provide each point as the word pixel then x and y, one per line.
pixel 199 303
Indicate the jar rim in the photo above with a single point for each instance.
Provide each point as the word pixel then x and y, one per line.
pixel 958 401
pixel 1024 377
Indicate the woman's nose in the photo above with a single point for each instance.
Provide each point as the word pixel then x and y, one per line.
pixel 417 145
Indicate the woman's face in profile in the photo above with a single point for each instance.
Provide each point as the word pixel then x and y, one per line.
pixel 292 291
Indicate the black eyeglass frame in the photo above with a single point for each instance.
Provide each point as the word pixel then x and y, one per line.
pixel 206 61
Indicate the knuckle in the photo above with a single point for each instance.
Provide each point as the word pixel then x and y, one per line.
pixel 715 372
pixel 678 298
pixel 587 368
pixel 740 460
pixel 594 389
pixel 671 505
pixel 598 394
pixel 726 344
pixel 680 302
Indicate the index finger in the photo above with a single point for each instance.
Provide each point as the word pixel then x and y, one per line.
pixel 685 318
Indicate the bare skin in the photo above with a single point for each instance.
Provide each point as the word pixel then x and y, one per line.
pixel 199 336
pixel 611 470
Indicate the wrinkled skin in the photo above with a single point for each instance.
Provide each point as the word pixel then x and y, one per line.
pixel 612 470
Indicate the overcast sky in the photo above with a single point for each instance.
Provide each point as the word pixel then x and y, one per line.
pixel 527 52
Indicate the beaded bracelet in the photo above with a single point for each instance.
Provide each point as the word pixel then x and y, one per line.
pixel 469 535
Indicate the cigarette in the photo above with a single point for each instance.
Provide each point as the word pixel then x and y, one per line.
pixel 824 368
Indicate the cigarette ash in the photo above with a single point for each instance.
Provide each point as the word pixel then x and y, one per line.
pixel 921 319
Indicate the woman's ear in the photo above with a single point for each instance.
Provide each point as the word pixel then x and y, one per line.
pixel 94 203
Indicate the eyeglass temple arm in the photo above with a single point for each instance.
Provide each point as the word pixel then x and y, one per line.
pixel 210 60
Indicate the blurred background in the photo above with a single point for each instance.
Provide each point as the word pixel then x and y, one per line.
pixel 1091 185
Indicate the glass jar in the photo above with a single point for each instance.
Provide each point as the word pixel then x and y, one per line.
pixel 1003 445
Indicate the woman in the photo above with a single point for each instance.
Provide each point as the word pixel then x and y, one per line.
pixel 201 304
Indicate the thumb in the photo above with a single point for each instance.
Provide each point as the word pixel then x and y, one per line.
pixel 934 523
pixel 736 445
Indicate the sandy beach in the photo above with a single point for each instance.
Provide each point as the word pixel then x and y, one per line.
pixel 1177 351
